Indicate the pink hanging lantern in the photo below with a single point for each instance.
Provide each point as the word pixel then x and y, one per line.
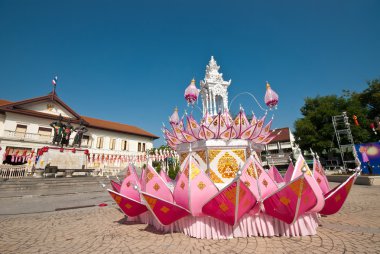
pixel 174 118
pixel 271 97
pixel 191 93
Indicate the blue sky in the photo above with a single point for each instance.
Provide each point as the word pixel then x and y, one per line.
pixel 130 61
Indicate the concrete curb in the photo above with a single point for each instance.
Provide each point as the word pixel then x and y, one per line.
pixel 361 180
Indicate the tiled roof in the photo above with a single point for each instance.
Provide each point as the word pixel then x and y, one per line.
pixel 283 136
pixel 107 125
pixel 93 122
pixel 4 102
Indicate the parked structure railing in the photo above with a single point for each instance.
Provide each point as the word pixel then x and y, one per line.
pixel 8 172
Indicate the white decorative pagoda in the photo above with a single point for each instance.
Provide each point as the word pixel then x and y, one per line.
pixel 214 90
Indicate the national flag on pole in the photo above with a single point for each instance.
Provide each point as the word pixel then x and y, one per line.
pixel 54 81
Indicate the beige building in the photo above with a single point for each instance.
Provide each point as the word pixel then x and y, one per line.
pixel 280 150
pixel 25 128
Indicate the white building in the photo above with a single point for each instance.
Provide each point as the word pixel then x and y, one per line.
pixel 25 128
pixel 280 150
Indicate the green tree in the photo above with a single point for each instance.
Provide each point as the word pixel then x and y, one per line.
pixel 315 129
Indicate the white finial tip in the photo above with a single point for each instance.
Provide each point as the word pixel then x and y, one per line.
pixel 303 169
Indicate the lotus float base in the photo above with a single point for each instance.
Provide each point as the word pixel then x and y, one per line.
pixel 250 225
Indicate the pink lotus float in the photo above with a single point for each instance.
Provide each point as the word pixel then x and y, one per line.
pixel 222 190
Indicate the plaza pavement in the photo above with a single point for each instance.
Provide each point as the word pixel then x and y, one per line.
pixel 355 229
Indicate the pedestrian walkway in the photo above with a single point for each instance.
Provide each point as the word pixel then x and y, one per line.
pixel 356 229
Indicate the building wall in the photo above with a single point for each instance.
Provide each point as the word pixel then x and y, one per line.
pixel 277 152
pixel 33 140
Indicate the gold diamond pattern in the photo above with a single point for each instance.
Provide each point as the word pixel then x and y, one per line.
pixel 201 185
pixel 164 209
pixel 285 200
pixel 265 183
pixel 182 185
pixel 118 200
pixel 128 206
pixel 223 207
pixel 156 187
pixel 149 175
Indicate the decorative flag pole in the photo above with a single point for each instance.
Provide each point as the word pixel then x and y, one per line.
pixel 54 83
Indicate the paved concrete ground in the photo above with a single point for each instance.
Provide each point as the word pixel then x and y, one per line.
pixel 355 229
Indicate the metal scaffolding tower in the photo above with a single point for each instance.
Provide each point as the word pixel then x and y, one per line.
pixel 345 139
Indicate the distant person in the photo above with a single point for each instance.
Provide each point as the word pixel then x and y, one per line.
pixel 363 151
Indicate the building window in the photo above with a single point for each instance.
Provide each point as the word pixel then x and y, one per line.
pixel 112 144
pixel 86 141
pixel 124 144
pixel 139 147
pixel 99 142
pixel 20 130
pixel 143 147
pixel 44 133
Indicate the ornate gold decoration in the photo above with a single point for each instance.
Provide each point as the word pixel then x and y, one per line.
pixel 223 207
pixel 214 177
pixel 128 206
pixel 202 155
pixel 50 107
pixel 260 124
pixel 227 166
pixel 182 185
pixel 247 183
pixel 240 153
pixel 285 200
pixel 156 187
pixel 212 154
pixel 201 185
pixel 194 171
pixel 164 209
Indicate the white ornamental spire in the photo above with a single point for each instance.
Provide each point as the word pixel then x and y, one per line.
pixel 214 90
